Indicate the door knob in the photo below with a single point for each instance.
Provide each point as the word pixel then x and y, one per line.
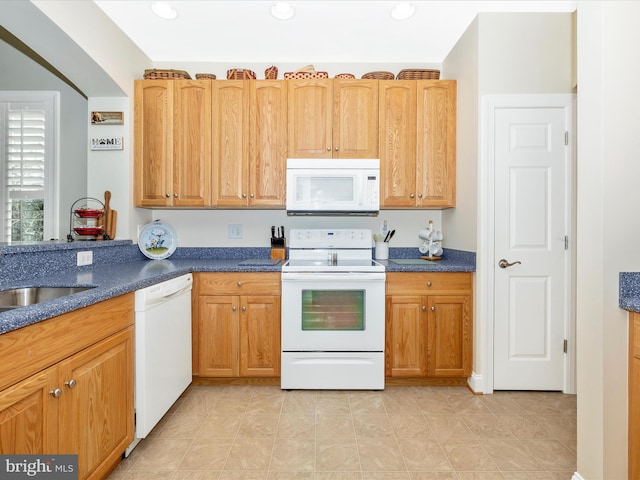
pixel 503 263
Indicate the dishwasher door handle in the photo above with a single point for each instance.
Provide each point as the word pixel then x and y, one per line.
pixel 163 292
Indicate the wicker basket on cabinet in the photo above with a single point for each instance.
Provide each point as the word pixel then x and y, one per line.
pixel 418 74
pixel 159 74
pixel 380 75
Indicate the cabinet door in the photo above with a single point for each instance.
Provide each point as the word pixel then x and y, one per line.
pixel 310 115
pixel 397 138
pixel 230 142
pixel 29 416
pixel 153 143
pixel 406 333
pixel 192 143
pixel 355 118
pixel 260 336
pixel 268 142
pixel 96 408
pixel 436 142
pixel 218 329
pixel 449 336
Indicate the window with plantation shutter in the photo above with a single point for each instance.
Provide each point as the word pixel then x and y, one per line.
pixel 27 164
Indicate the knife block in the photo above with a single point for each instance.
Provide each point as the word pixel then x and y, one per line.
pixel 278 249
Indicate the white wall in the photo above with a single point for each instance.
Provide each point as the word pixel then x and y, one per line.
pixel 608 227
pixel 462 65
pixel 206 228
pixel 111 170
pixel 498 54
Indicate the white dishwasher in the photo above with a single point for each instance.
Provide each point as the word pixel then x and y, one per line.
pixel 162 350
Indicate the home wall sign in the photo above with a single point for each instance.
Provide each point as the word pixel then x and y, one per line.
pixel 107 143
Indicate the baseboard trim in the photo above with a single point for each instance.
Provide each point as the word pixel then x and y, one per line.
pixel 476 383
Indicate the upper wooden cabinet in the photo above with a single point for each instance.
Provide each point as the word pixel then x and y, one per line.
pixel 417 138
pixel 333 118
pixel 249 142
pixel 224 143
pixel 230 106
pixel 172 143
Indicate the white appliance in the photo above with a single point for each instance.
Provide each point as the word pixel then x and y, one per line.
pixel 333 312
pixel 162 350
pixel 333 186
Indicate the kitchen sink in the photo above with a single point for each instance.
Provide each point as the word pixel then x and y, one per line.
pixel 22 297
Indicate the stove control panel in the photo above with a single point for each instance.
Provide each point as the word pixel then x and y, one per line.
pixel 330 238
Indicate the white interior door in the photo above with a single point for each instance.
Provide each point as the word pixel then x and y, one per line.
pixel 531 260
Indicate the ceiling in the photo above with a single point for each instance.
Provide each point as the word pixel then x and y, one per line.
pixel 335 31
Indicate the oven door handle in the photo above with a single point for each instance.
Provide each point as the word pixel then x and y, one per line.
pixel 342 277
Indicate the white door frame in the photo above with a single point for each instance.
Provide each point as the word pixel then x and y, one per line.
pixel 486 225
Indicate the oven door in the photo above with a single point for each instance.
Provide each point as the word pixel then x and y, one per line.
pixel 333 312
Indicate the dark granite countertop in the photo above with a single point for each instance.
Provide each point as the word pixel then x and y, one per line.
pixel 629 291
pixel 124 269
pixel 410 261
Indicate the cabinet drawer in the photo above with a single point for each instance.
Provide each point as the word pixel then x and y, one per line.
pixel 419 283
pixel 232 283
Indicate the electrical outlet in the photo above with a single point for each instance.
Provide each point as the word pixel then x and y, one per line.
pixel 235 230
pixel 84 258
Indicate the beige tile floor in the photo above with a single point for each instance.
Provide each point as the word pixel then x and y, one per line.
pixel 402 433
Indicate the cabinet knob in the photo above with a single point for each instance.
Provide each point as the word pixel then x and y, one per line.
pixel 244 195
pixel 167 195
pixel 413 195
pixel 419 195
pixel 239 284
pixel 336 149
pixel 71 383
pixel 328 149
pixel 244 309
pixel 234 308
pixel 175 195
pixel 251 195
pixel 433 309
pixel 424 308
pixel 429 283
pixel 55 393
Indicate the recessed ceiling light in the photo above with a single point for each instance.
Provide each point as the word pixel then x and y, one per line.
pixel 164 10
pixel 402 11
pixel 282 11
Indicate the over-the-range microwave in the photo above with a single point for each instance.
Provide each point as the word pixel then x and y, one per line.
pixel 333 186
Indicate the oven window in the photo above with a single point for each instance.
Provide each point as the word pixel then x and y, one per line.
pixel 333 309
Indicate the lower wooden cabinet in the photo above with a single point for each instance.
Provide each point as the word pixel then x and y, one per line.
pixel 82 402
pixel 429 325
pixel 237 324
pixel 29 415
pixel 96 414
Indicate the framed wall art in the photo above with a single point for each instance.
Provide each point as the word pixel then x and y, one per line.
pixel 107 118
